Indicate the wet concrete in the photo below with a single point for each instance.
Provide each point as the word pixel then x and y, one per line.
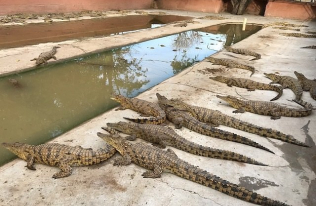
pixel 291 167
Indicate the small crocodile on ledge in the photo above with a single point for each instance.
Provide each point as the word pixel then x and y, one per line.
pixel 267 108
pixel 158 161
pixel 287 82
pixel 217 118
pixel 165 136
pixel 59 155
pixel 243 52
pixel 184 118
pixel 141 106
pixel 249 84
pixel 230 64
pixel 45 56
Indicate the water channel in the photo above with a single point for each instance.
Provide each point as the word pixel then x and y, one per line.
pixel 38 105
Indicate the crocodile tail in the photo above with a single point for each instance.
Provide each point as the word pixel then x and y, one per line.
pixel 195 174
pixel 265 132
pixel 217 133
pixel 306 105
pixel 200 150
pixel 278 89
pixel 151 120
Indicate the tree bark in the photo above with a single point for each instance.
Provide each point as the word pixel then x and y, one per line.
pixel 239 6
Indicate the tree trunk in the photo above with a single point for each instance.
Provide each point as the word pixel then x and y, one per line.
pixel 239 6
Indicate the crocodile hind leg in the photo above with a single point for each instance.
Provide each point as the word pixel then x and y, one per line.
pixel 130 138
pixel 66 170
pixel 30 162
pixel 275 115
pixel 156 173
pixel 54 57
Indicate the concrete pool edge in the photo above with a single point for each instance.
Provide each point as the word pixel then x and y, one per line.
pixel 124 185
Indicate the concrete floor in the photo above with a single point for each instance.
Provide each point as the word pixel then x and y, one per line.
pixel 290 178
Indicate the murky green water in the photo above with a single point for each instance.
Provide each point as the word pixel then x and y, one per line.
pixel 54 99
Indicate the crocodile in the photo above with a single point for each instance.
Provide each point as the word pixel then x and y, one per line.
pixel 59 155
pixel 45 56
pixel 230 64
pixel 165 136
pixel 287 82
pixel 285 28
pixel 243 52
pixel 217 118
pixel 15 83
pixel 300 35
pixel 184 118
pixel 249 84
pixel 266 108
pixel 309 47
pixel 141 106
pixel 157 161
pixel 307 84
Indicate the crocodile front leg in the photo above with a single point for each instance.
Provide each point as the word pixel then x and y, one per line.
pixel 123 161
pixel 178 122
pixel 30 162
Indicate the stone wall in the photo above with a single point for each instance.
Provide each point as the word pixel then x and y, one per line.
pixel 54 6
pixel 214 6
pixel 292 10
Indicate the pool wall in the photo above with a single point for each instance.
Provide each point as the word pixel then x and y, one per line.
pixel 39 6
pixel 277 8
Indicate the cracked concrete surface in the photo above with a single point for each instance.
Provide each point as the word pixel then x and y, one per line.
pixel 290 176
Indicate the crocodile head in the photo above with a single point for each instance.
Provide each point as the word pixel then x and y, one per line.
pixel 119 98
pixel 228 98
pixel 219 79
pixel 271 76
pixel 115 140
pixel 299 75
pixel 56 47
pixel 20 149
pixel 162 101
pixel 211 59
pixel 124 127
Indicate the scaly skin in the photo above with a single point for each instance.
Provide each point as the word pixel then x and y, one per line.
pixel 158 161
pixel 249 84
pixel 265 108
pixel 165 136
pixel 183 118
pixel 287 82
pixel 307 84
pixel 141 106
pixel 231 64
pixel 217 118
pixel 243 52
pixel 45 56
pixel 59 155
